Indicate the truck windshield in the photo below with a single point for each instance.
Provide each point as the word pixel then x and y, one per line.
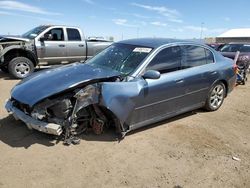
pixel 123 58
pixel 34 32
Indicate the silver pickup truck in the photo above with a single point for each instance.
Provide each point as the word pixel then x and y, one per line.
pixel 48 44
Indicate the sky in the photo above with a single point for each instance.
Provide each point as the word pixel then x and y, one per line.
pixel 125 19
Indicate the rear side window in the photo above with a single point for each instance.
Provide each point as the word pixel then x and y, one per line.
pixel 73 34
pixel 167 60
pixel 209 56
pixel 194 56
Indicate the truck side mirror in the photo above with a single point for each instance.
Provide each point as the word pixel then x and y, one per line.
pixel 42 39
pixel 46 36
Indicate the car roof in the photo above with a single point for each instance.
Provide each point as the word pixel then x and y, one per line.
pixel 155 42
pixel 239 43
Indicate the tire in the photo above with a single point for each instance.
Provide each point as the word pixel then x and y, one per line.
pixel 4 69
pixel 20 67
pixel 215 97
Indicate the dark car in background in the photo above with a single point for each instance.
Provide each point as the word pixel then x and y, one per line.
pixel 230 50
pixel 131 84
pixel 243 60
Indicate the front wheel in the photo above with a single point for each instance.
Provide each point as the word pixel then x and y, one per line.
pixel 20 67
pixel 215 97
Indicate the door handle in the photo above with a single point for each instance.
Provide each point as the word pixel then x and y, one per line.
pixel 61 45
pixel 81 45
pixel 179 81
pixel 213 72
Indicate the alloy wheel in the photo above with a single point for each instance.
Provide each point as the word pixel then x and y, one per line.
pixel 217 96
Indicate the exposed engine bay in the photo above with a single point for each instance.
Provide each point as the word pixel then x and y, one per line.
pixel 76 112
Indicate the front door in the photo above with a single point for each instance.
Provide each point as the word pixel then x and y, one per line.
pixel 53 48
pixel 161 97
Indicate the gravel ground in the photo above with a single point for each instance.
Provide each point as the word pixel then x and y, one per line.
pixel 192 150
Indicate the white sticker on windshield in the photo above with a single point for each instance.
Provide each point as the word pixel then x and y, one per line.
pixel 142 50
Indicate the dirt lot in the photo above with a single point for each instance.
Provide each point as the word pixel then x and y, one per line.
pixel 192 150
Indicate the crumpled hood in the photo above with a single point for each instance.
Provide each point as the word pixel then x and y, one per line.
pixel 8 38
pixel 44 84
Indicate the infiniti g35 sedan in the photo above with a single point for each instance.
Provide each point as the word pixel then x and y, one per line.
pixel 130 84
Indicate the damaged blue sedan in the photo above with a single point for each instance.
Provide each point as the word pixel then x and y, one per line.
pixel 131 84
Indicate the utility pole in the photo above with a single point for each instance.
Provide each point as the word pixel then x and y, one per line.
pixel 202 24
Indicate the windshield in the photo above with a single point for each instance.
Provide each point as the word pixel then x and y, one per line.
pixel 235 48
pixel 34 32
pixel 123 58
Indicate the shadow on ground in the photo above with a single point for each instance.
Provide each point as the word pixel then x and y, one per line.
pixel 187 114
pixel 16 134
pixel 5 76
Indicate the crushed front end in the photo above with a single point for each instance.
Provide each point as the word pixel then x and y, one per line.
pixel 20 112
pixel 68 114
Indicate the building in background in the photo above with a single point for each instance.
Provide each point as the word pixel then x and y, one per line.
pixel 234 35
pixel 210 40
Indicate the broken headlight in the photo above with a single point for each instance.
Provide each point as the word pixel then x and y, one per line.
pixel 87 92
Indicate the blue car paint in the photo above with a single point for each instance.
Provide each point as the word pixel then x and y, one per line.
pixel 47 83
pixel 135 101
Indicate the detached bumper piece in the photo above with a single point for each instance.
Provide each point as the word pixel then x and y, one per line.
pixel 49 128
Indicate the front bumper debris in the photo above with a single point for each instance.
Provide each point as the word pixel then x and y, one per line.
pixel 49 128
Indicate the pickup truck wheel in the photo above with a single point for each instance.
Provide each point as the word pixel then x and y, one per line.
pixel 20 67
pixel 4 69
pixel 215 97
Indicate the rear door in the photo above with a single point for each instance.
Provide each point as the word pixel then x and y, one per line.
pixel 199 74
pixel 76 47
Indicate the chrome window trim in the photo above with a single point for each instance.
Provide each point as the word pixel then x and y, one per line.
pixel 141 69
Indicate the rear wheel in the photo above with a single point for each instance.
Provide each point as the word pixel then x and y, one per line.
pixel 216 97
pixel 20 67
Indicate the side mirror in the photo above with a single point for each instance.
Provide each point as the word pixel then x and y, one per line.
pixel 151 74
pixel 46 36
pixel 42 39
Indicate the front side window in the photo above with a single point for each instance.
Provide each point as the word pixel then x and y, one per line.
pixel 167 60
pixel 56 34
pixel 124 58
pixel 73 35
pixel 194 56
